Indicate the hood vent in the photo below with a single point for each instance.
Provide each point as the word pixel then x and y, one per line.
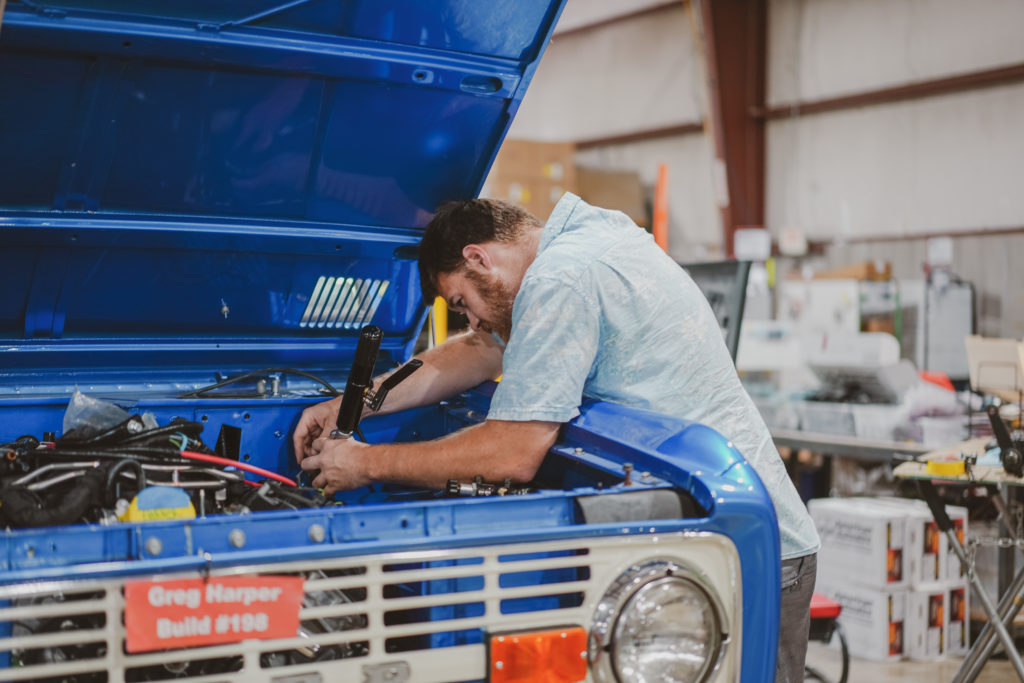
pixel 343 302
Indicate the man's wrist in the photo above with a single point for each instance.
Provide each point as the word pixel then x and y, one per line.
pixel 367 464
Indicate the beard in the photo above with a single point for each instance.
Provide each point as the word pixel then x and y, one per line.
pixel 500 297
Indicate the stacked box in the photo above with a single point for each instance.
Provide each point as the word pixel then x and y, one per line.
pixel 877 549
pixel 958 630
pixel 936 561
pixel 861 566
pixel 532 174
pixel 924 557
pixel 873 619
pixel 927 622
pixel 861 542
pixel 935 569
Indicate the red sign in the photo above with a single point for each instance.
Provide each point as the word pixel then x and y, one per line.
pixel 167 614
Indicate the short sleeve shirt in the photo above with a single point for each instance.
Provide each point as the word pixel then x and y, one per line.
pixel 604 313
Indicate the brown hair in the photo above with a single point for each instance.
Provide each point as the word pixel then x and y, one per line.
pixel 460 223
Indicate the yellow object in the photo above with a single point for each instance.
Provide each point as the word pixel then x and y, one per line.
pixel 945 468
pixel 439 321
pixel 159 503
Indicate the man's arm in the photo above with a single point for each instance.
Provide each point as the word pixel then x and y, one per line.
pixel 495 449
pixel 462 362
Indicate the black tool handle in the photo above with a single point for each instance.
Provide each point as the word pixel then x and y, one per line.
pixel 360 379
pixel 392 381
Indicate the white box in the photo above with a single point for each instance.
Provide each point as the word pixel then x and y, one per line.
pixel 926 623
pixel 955 573
pixel 862 542
pixel 923 550
pixel 872 620
pixel 930 557
pixel 958 629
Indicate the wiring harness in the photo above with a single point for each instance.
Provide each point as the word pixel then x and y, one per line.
pixel 91 476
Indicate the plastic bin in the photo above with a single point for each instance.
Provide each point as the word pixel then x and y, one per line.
pixel 822 417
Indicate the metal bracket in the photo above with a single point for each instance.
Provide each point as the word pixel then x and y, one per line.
pixel 389 672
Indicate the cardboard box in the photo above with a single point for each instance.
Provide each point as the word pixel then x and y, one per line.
pixel 862 542
pixel 867 270
pixel 958 626
pixel 996 366
pixel 926 623
pixel 532 174
pixel 872 620
pixel 618 190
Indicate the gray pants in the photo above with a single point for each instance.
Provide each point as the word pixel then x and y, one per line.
pixel 795 617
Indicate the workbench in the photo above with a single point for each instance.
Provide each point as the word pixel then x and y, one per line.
pixel 1001 615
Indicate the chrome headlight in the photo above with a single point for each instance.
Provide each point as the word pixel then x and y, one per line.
pixel 658 621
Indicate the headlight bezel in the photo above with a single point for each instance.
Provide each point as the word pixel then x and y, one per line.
pixel 609 611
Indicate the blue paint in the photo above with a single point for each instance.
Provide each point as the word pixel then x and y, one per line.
pixel 183 174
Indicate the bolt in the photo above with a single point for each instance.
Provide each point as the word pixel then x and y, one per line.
pixel 499 665
pixel 627 471
pixel 317 533
pixel 278 434
pixel 134 427
pixel 154 546
pixel 237 538
pixel 577 450
pixel 645 475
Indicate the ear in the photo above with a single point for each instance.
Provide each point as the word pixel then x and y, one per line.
pixel 477 257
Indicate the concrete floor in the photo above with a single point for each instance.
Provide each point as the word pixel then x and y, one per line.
pixel 826 660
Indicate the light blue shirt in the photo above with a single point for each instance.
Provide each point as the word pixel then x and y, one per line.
pixel 604 313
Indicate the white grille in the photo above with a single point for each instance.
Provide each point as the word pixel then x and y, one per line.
pixel 343 302
pixel 360 612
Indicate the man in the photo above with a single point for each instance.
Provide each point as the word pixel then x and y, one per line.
pixel 586 305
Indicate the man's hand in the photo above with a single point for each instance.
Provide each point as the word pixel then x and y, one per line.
pixel 339 462
pixel 316 421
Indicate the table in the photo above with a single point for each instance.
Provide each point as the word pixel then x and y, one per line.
pixel 1001 616
pixel 849 446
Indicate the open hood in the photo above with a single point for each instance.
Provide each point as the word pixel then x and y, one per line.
pixel 185 180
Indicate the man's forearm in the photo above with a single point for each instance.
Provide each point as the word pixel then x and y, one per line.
pixel 460 363
pixel 494 450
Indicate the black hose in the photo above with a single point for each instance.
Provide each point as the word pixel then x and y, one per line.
pixel 152 456
pixel 110 434
pixel 189 429
pixel 113 492
pixel 20 507
pixel 197 393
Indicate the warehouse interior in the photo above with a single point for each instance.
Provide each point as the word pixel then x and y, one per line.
pixel 866 158
pixel 282 401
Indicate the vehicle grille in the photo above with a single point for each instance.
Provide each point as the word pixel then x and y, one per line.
pixel 426 612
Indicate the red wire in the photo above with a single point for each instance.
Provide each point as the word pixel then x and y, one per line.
pixel 240 465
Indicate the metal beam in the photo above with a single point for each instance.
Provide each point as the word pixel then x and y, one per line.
pixel 940 86
pixel 640 135
pixel 735 51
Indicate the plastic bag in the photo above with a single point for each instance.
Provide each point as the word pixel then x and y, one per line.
pixel 91 415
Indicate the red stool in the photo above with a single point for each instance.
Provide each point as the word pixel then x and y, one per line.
pixel 824 613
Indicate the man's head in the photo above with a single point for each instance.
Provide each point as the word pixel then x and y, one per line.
pixel 474 254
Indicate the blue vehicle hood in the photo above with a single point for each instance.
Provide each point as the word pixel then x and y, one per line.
pixel 186 179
